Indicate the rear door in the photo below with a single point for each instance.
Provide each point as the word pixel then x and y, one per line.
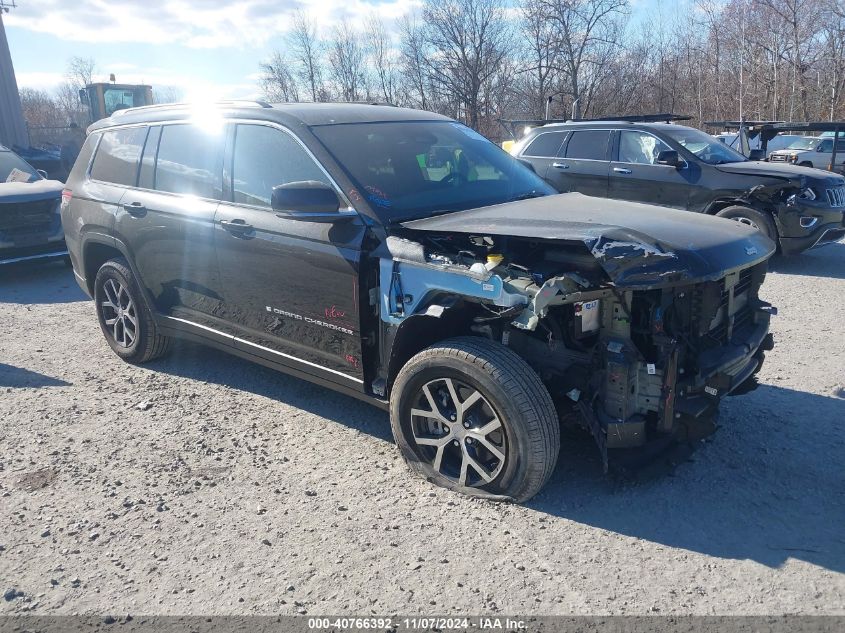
pixel 543 150
pixel 582 164
pixel 635 174
pixel 290 287
pixel 167 221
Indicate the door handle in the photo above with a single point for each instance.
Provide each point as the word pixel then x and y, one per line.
pixel 621 170
pixel 236 226
pixel 135 209
pixel 560 165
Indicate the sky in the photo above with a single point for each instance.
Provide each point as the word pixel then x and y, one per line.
pixel 208 48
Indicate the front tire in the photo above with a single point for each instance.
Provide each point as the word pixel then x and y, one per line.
pixel 124 317
pixel 469 414
pixel 752 217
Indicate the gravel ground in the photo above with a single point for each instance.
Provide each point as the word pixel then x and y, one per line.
pixel 202 484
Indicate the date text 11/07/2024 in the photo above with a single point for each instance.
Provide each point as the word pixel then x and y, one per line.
pixel 414 624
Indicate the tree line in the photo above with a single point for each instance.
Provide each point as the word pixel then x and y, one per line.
pixel 480 61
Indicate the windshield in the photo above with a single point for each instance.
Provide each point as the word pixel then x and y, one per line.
pixel 705 147
pixel 803 143
pixel 413 169
pixel 13 168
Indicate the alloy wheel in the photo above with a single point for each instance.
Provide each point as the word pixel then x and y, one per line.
pixel 119 313
pixel 458 432
pixel 748 221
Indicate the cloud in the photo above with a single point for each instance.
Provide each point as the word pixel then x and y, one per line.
pixel 194 23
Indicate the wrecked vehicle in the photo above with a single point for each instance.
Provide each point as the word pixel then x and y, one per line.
pixel 30 225
pixel 399 257
pixel 683 168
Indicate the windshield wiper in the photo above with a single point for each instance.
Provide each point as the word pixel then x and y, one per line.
pixel 526 196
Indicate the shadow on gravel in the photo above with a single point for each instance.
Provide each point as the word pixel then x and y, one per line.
pixel 825 261
pixel 206 364
pixel 17 377
pixel 39 282
pixel 766 487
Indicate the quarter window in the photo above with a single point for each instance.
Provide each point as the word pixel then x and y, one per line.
pixel 588 144
pixel 265 157
pixel 640 147
pixel 117 156
pixel 187 159
pixel 546 145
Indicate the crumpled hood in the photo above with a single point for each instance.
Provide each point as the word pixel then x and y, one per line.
pixel 637 245
pixel 774 170
pixel 13 192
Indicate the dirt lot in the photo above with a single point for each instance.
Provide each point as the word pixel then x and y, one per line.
pixel 235 489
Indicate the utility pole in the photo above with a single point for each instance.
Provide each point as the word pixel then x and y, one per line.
pixel 12 124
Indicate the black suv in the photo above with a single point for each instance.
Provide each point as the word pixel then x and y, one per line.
pixel 399 257
pixel 684 168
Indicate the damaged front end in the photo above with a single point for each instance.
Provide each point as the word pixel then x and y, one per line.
pixel 635 340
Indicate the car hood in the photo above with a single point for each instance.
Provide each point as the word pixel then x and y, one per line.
pixel 14 192
pixel 772 170
pixel 637 245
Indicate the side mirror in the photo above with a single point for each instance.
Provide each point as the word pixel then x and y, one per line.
pixel 305 200
pixel 528 164
pixel 669 157
pixel 756 154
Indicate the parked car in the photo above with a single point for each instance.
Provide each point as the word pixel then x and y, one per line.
pixel 816 153
pixel 400 257
pixel 30 224
pixel 683 168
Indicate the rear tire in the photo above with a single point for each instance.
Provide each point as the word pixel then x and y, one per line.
pixel 124 317
pixel 760 220
pixel 502 437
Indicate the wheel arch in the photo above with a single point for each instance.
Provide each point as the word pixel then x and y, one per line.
pixel 420 331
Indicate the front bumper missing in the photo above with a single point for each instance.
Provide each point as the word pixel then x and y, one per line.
pixel 690 406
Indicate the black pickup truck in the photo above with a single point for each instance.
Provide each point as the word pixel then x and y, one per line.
pixel 399 257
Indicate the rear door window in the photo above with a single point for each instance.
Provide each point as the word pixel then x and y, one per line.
pixel 588 144
pixel 265 157
pixel 546 145
pixel 187 161
pixel 118 153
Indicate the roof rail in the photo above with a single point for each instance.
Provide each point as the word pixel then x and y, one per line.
pixel 512 124
pixel 246 103
pixel 664 117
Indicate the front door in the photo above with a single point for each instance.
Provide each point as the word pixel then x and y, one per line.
pixel 582 164
pixel 290 287
pixel 636 176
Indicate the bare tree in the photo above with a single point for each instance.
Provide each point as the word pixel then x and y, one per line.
pixel 468 42
pixel 589 32
pixel 168 94
pixel 412 62
pixel 348 63
pixel 542 54
pixel 307 53
pixel 383 58
pixel 80 71
pixel 277 82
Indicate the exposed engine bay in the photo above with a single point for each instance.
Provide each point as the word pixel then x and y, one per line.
pixel 634 365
